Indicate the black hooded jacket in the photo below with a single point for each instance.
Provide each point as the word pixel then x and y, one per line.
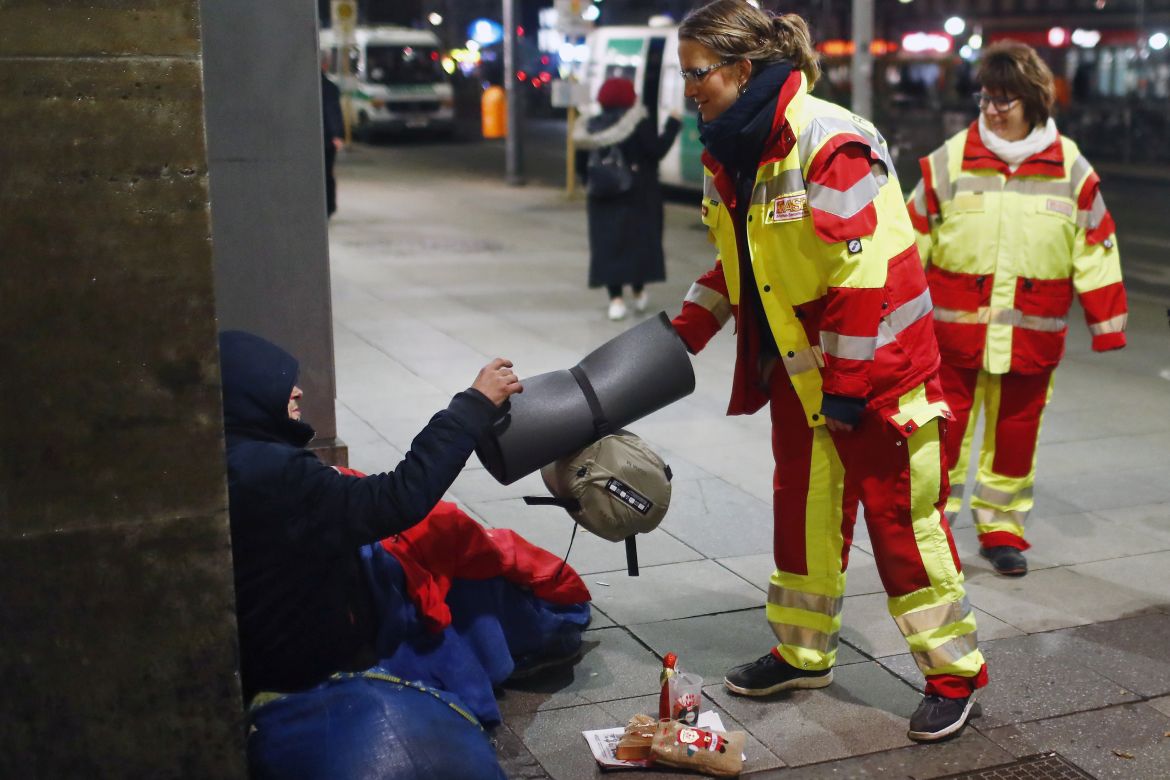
pixel 302 604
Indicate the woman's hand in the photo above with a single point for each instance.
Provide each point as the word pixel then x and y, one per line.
pixel 497 381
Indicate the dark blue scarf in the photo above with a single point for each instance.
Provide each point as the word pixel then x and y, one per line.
pixel 736 138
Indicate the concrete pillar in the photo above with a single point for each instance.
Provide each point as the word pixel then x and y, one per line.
pixel 266 154
pixel 117 632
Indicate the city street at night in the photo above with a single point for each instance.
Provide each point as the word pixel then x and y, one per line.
pixel 437 265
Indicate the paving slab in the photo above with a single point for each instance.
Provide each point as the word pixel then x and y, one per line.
pixel 717 519
pixel 1059 597
pixel 672 591
pixel 1127 741
pixel 969 751
pixel 1134 653
pixel 1031 677
pixel 865 710
pixel 613 665
pixel 711 644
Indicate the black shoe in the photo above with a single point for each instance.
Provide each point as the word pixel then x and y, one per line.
pixel 938 717
pixel 767 675
pixel 1008 561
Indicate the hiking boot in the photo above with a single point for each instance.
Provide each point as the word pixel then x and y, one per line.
pixel 1008 561
pixel 938 717
pixel 617 309
pixel 768 675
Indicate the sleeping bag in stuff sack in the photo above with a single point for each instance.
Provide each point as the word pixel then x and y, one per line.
pixel 630 376
pixel 367 726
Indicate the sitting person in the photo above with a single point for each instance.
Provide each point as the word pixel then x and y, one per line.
pixel 334 599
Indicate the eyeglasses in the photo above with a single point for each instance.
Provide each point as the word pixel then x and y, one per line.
pixel 982 99
pixel 695 75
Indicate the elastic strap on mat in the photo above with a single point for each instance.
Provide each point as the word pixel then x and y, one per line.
pixel 632 555
pixel 600 424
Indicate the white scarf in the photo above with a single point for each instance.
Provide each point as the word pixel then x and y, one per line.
pixel 1015 152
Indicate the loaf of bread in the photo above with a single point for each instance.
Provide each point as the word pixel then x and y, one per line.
pixel 635 742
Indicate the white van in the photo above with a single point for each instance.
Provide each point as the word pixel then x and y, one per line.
pixel 395 83
pixel 648 56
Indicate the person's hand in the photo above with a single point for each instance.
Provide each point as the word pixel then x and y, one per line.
pixel 497 381
pixel 836 426
pixel 338 143
pixel 676 115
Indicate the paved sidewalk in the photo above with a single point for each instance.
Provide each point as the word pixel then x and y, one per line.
pixel 432 277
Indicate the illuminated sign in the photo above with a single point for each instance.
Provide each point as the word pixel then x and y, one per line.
pixel 927 43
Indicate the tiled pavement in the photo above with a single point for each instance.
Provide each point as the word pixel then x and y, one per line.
pixel 433 277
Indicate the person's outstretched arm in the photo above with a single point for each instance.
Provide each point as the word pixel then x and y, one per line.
pixel 338 511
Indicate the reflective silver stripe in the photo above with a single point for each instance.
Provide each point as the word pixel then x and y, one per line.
pixel 1092 218
pixel 999 316
pixel 1111 325
pixel 806 360
pixel 1079 170
pixel 978 184
pixel 709 191
pixel 822 127
pixel 809 602
pixel 958 491
pixel 788 182
pixel 933 617
pixel 940 175
pixel 711 300
pixel 903 317
pixel 918 198
pixel 994 496
pixel 848 347
pixel 843 204
pixel 946 653
pixel 810 638
pixel 1060 189
pixel 985 516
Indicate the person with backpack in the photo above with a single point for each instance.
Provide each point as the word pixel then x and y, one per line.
pixel 617 160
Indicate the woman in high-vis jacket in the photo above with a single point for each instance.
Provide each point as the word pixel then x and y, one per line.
pixel 817 263
pixel 1010 222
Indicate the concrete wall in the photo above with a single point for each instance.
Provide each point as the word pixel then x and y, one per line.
pixel 117 633
pixel 266 151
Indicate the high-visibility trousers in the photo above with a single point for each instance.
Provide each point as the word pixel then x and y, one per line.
pixel 1013 405
pixel 820 478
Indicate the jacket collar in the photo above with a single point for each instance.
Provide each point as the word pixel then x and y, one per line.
pixel 976 157
pixel 779 142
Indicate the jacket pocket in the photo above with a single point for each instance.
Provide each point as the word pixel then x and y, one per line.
pixel 1039 335
pixel 960 302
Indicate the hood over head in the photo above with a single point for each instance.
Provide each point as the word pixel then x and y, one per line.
pixel 258 378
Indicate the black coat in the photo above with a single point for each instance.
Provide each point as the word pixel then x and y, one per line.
pixel 625 232
pixel 303 607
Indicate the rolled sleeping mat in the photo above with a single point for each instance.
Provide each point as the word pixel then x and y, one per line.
pixel 630 376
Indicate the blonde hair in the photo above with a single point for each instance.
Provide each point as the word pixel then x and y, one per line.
pixel 1015 68
pixel 735 30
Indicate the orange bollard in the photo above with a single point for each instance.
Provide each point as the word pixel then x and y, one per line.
pixel 494 112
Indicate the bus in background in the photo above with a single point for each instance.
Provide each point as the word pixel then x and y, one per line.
pixel 395 81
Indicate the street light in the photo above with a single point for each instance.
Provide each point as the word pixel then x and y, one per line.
pixel 954 25
pixel 1158 41
pixel 435 19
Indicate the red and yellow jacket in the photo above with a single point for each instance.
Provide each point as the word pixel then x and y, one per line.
pixel 832 255
pixel 1006 250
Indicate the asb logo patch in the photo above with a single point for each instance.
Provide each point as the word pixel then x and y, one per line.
pixel 854 246
pixel 787 208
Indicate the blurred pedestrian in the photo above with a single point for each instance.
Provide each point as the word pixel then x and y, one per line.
pixel 817 264
pixel 334 137
pixel 624 212
pixel 1011 222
